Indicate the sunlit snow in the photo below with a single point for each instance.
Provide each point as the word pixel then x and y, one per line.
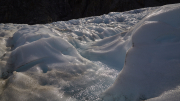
pixel 120 56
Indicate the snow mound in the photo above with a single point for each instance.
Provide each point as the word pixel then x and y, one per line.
pixel 46 67
pixel 152 63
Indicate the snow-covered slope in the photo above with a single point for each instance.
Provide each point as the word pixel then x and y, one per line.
pixel 152 63
pixel 78 60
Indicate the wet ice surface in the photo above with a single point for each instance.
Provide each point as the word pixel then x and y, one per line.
pixel 76 60
pixel 43 66
pixel 66 60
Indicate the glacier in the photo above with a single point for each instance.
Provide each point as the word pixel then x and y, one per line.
pixel 120 56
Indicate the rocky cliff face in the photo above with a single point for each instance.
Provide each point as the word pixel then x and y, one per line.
pixel 46 11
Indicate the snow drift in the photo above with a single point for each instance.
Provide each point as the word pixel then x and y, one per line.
pixel 152 63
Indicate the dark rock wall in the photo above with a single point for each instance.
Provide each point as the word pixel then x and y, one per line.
pixel 46 11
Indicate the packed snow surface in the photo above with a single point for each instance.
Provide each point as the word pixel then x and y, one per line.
pixel 120 56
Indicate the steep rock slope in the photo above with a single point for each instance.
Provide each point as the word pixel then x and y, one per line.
pixel 45 11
